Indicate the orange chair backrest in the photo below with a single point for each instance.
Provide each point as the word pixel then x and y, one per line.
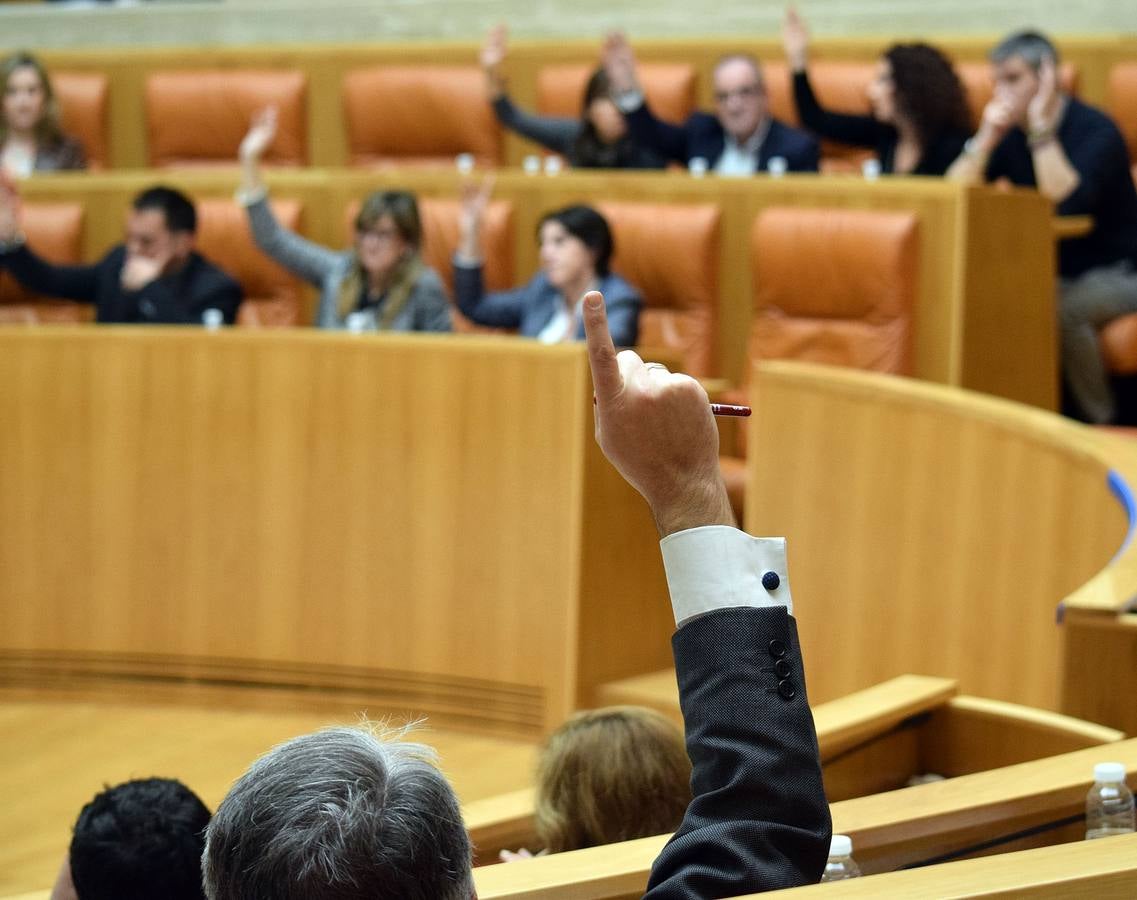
pixel 440 218
pixel 669 88
pixel 420 116
pixel 1122 104
pixel 82 99
pixel 977 84
pixel 196 119
pixel 55 232
pixel 670 252
pixel 835 286
pixel 840 87
pixel 271 292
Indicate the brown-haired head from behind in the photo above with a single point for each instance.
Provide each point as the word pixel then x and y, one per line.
pixel 608 775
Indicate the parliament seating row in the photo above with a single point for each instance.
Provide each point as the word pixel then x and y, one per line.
pixel 380 105
pixel 855 309
pixel 1007 808
pixel 870 741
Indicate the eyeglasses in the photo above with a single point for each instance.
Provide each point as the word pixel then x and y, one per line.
pixel 379 234
pixel 742 93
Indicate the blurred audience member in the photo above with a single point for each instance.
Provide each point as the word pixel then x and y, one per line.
pixel 380 284
pixel 576 248
pixel 31 139
pixel 136 841
pixel 919 120
pixel 599 139
pixel 740 139
pixel 608 775
pixel 155 276
pixel 1035 135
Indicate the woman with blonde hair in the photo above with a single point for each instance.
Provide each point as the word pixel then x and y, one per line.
pixel 31 139
pixel 608 775
pixel 380 284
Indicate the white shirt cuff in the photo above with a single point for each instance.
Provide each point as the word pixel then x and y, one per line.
pixel 719 567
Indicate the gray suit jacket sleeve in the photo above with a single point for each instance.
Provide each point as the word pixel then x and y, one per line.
pixel 554 133
pixel 312 262
pixel 759 819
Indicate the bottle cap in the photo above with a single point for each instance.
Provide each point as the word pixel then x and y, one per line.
pixel 465 163
pixel 531 164
pixel 553 165
pixel 841 845
pixel 777 166
pixel 870 169
pixel 698 166
pixel 1109 771
pixel 213 318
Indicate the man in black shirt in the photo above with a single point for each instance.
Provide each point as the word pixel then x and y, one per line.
pixel 155 276
pixel 1034 135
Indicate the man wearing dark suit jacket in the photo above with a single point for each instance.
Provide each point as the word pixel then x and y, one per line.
pixel 155 276
pixel 759 819
pixel 740 139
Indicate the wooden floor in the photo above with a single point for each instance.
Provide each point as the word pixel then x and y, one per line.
pixel 55 755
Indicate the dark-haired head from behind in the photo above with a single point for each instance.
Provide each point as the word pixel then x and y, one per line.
pixel 140 840
pixel 176 207
pixel 589 227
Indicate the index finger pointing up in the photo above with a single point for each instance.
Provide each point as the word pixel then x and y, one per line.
pixel 606 378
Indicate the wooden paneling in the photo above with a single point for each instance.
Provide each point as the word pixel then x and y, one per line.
pixel 424 519
pixel 930 530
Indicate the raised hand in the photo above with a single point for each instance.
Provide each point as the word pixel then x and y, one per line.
pixel 475 198
pixel 260 135
pixel 495 49
pixel 656 428
pixel 1042 111
pixel 619 63
pixel 11 207
pixel 795 39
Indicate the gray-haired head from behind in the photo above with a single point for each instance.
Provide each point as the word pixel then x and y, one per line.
pixel 340 813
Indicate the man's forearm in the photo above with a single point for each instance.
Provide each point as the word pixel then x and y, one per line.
pixel 1056 176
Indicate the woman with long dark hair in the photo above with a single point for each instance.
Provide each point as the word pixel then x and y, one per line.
pixel 919 120
pixel 599 139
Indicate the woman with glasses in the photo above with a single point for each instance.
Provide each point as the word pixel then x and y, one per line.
pixel 919 120
pixel 379 284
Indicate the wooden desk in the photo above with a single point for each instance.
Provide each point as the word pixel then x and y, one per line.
pixel 420 520
pixel 937 531
pixel 985 316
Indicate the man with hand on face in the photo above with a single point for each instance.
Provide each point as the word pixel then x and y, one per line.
pixel 155 276
pixel 1035 135
pixel 740 139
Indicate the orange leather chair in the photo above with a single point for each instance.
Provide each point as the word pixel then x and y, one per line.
pixel 671 252
pixel 977 84
pixel 831 286
pixel 271 292
pixel 196 119
pixel 55 232
pixel 82 99
pixel 841 87
pixel 421 116
pixel 440 220
pixel 1122 105
pixel 669 87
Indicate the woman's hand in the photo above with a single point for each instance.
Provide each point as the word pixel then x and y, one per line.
pixel 259 137
pixel 9 206
pixel 619 63
pixel 795 40
pixel 475 198
pixel 491 57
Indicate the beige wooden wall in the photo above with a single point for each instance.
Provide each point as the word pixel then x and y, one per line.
pixel 251 21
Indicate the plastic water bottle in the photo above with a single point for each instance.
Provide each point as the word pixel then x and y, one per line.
pixel 840 865
pixel 212 319
pixel 553 165
pixel 870 169
pixel 1109 804
pixel 698 166
pixel 531 164
pixel 464 162
pixel 777 166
